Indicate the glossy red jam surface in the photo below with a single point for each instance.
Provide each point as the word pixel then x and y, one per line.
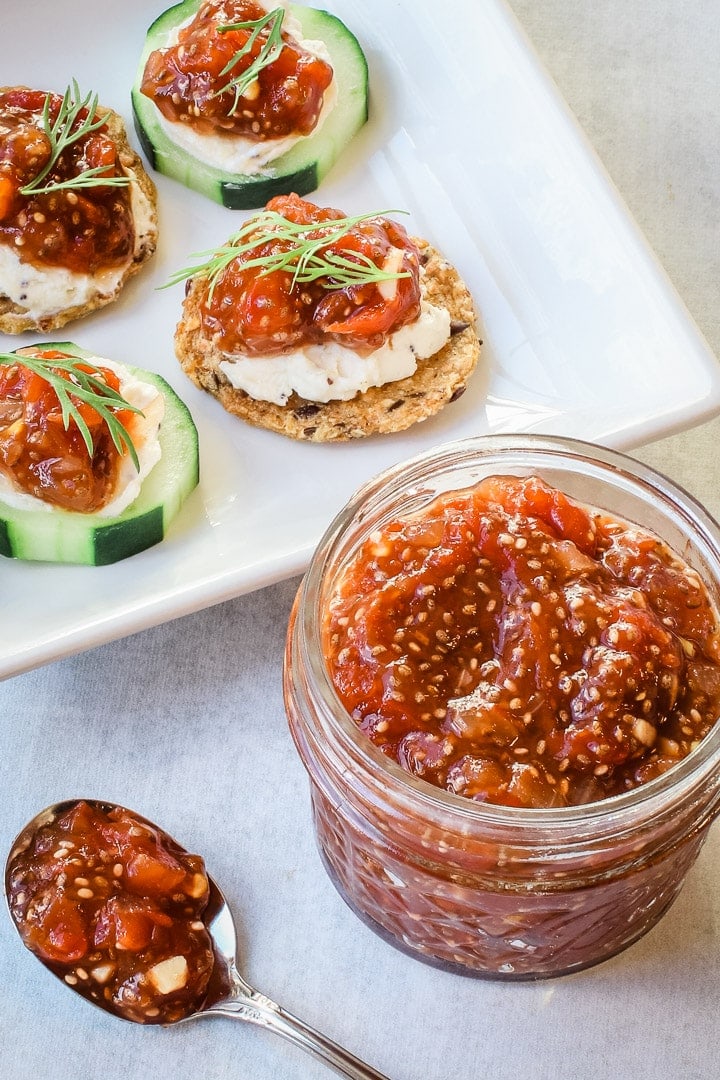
pixel 266 314
pixel 516 647
pixel 189 81
pixel 115 907
pixel 84 230
pixel 43 457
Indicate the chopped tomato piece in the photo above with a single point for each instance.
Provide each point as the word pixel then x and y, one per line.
pixel 60 932
pixel 128 924
pixel 153 875
pixel 270 313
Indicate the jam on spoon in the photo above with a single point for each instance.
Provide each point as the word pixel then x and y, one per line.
pixel 123 915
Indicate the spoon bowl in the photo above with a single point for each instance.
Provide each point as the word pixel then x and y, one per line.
pixel 228 993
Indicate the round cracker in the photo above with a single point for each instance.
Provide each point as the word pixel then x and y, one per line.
pixel 395 406
pixel 14 319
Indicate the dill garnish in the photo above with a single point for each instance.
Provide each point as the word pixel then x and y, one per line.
pixel 61 133
pixel 83 385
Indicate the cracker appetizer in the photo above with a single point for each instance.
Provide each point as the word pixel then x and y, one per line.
pixel 96 457
pixel 241 100
pixel 77 210
pixel 322 326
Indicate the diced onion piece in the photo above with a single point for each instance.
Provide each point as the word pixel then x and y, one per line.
pixel 169 975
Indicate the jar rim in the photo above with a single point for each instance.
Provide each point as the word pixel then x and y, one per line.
pixel 611 465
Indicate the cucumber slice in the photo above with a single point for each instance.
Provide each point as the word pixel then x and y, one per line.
pixel 69 537
pixel 302 168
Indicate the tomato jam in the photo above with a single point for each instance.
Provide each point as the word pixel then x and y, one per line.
pixel 114 907
pixel 40 454
pixel 191 82
pixel 266 314
pixel 516 647
pixel 506 701
pixel 84 230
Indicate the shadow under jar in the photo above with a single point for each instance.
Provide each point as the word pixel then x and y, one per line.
pixel 504 891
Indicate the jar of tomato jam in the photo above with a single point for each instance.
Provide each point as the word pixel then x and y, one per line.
pixel 513 822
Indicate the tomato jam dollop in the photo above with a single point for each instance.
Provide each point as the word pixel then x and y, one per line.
pixel 84 230
pixel 191 81
pixel 513 646
pixel 264 314
pixel 114 907
pixel 42 456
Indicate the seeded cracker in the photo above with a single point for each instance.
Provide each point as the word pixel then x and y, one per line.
pixel 15 320
pixel 380 410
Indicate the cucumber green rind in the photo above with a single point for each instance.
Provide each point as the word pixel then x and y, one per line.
pixel 302 168
pixel 68 537
pixel 5 548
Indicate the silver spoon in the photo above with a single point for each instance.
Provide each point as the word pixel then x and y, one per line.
pixel 237 999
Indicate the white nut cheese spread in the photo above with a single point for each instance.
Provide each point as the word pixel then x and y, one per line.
pixel 42 291
pixel 333 372
pixel 237 153
pixel 145 428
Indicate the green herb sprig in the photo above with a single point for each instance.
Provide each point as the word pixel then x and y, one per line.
pixel 270 51
pixel 62 132
pixel 84 386
pixel 304 256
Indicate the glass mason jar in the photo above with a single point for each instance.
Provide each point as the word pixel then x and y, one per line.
pixel 485 889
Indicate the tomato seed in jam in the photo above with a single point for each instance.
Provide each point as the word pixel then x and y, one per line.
pixel 114 907
pixel 186 81
pixel 86 230
pixel 268 314
pixel 44 458
pixel 513 646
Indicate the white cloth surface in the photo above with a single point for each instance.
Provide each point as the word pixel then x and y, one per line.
pixel 185 723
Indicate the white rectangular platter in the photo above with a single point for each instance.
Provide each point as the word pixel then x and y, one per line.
pixel 583 334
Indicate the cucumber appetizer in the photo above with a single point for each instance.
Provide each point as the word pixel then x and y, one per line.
pixel 96 458
pixel 242 101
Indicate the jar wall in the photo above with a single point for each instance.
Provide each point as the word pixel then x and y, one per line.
pixel 504 933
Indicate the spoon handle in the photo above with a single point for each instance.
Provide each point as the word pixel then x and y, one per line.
pixel 258 1009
